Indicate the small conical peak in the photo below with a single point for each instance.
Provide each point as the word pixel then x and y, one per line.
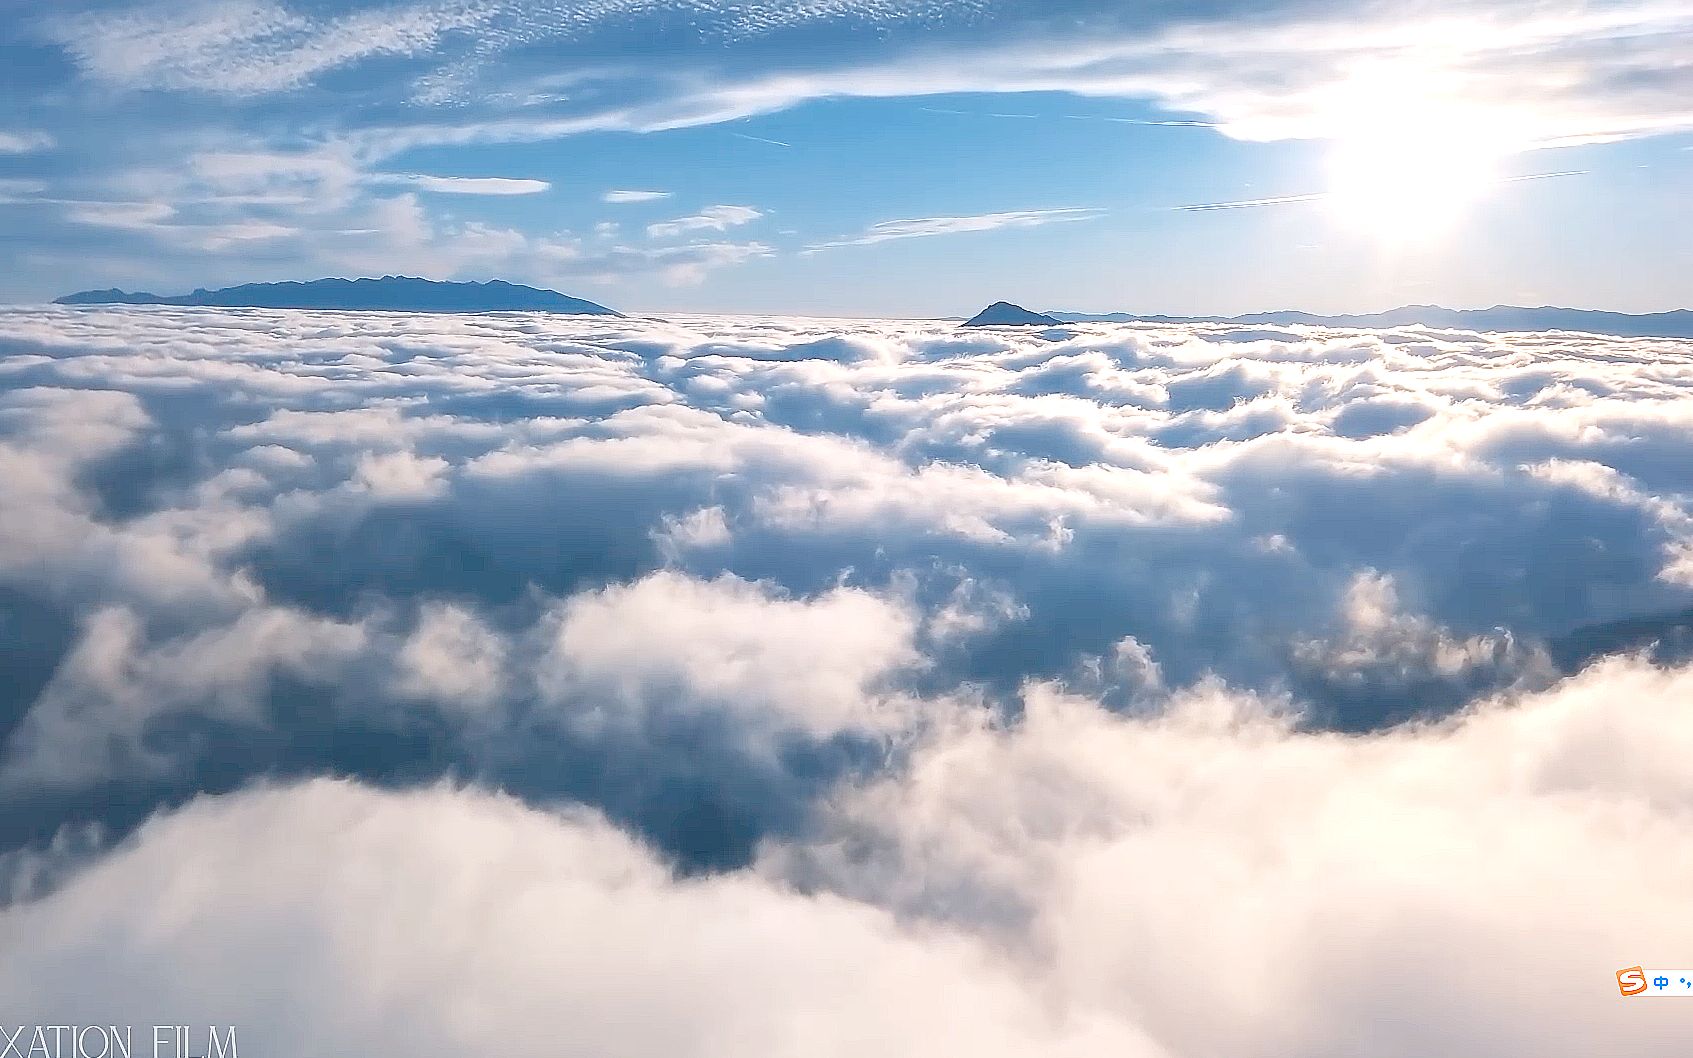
pixel 1005 314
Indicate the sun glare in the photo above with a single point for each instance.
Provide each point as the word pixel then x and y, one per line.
pixel 1413 168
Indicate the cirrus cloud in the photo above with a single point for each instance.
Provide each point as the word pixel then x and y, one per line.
pixel 24 142
pixel 467 185
pixel 1294 70
pixel 625 197
pixel 928 227
pixel 712 218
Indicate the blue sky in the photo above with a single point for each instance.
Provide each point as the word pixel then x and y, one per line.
pixel 858 157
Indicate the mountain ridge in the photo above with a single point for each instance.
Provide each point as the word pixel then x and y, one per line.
pixel 387 294
pixel 1674 323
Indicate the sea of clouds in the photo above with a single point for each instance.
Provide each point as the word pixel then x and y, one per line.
pixel 420 685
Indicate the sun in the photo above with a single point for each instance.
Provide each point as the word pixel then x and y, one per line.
pixel 1411 167
pixel 1408 191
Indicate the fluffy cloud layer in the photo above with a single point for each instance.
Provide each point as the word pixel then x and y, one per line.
pixel 1205 882
pixel 1125 689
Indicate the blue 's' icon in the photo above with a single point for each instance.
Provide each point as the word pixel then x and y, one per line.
pixel 1660 982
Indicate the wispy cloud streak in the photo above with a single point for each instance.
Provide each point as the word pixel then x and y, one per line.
pixel 929 227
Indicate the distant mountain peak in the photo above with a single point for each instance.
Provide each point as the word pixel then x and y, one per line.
pixel 390 294
pixel 1005 314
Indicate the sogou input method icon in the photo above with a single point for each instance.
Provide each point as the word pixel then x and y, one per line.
pixel 1640 981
